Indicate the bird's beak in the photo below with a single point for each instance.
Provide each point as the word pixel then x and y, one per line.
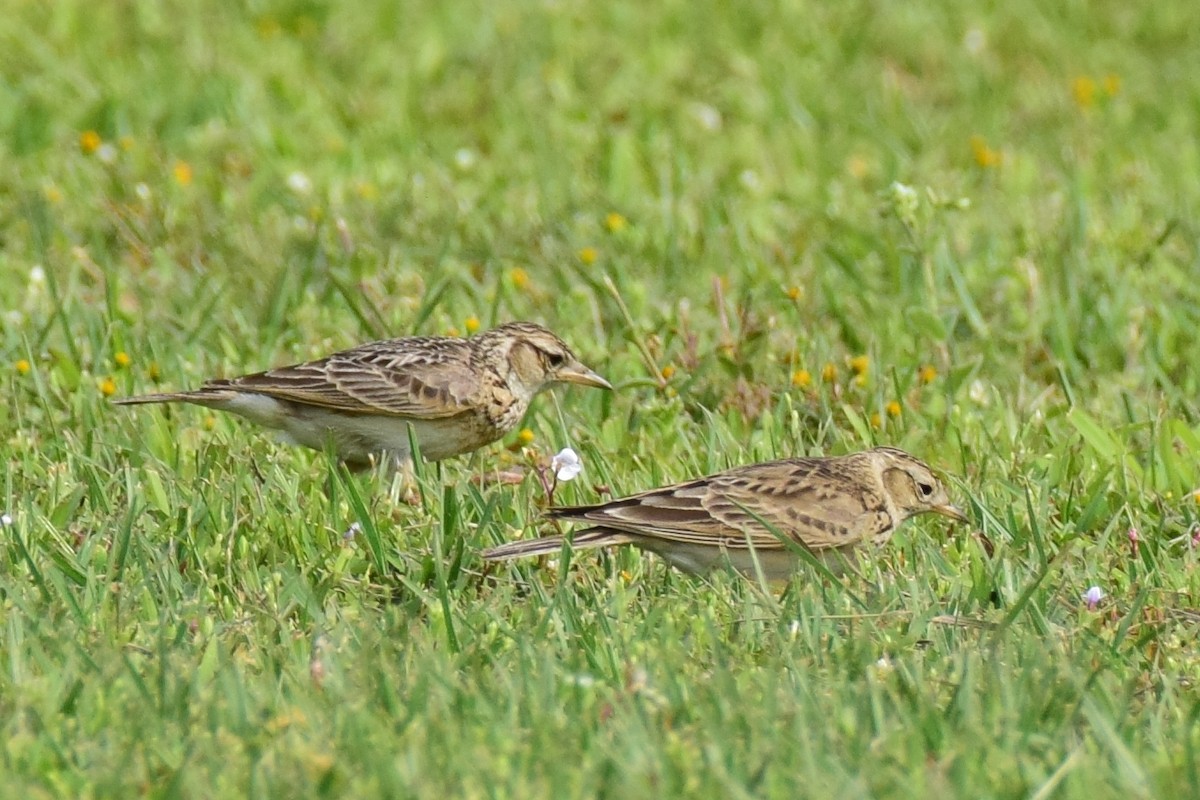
pixel 578 373
pixel 953 512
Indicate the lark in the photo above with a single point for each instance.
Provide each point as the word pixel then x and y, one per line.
pixel 451 395
pixel 744 515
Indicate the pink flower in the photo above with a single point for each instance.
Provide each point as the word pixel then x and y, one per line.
pixel 1093 596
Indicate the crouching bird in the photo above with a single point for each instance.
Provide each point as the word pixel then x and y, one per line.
pixel 827 506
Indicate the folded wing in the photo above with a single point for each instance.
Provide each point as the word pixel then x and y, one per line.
pixel 431 382
pixel 739 508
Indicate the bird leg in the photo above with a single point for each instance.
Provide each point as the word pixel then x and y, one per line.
pixel 402 478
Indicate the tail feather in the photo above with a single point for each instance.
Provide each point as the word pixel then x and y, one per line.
pixel 202 397
pixel 576 513
pixel 546 545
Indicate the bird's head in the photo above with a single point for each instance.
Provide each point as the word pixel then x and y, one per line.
pixel 533 358
pixel 912 486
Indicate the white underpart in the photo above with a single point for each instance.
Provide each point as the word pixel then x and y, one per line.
pixel 353 437
pixel 776 564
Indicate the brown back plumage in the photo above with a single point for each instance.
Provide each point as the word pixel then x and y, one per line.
pixel 822 504
pixel 454 395
pixel 416 377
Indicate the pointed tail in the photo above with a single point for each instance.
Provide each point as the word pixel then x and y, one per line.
pixel 547 545
pixel 204 397
pixel 167 397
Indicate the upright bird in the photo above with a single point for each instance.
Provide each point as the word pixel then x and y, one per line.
pixel 455 394
pixel 825 505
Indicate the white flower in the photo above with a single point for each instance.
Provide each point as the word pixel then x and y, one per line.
pixel 974 41
pixel 299 183
pixel 106 153
pixel 464 158
pixel 1093 596
pixel 978 392
pixel 708 117
pixel 142 191
pixel 566 464
pixel 37 275
pixel 354 529
pixel 904 196
pixel 5 519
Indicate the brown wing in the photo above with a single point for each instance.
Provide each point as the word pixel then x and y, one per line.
pixel 418 377
pixel 801 498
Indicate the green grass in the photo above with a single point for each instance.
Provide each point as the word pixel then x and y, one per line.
pixel 210 189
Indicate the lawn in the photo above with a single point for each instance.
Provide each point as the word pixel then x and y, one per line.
pixel 791 228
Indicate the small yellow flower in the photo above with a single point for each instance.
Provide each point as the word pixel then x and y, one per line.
pixel 859 365
pixel 626 576
pixel 285 720
pixel 1196 497
pixel 525 437
pixel 892 408
pixel 318 764
pixel 985 156
pixel 152 371
pixel 23 367
pixel 801 379
pixel 588 255
pixel 210 422
pixel 876 420
pixel 829 372
pixel 519 278
pixel 122 359
pixel 794 293
pixel 53 194
pixel 860 380
pixel 615 222
pixel 89 142
pixel 471 324
pixel 1084 89
pixel 453 331
pixel 306 27
pixel 183 173
pixel 268 28
pixel 108 387
pixel 857 166
pixel 1112 84
pixel 668 372
pixel 927 374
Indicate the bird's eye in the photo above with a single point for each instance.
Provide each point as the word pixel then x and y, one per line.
pixel 556 360
pixel 925 488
